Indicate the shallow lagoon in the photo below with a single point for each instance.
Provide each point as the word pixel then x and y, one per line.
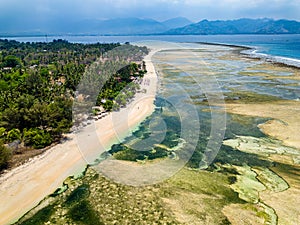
pixel 252 177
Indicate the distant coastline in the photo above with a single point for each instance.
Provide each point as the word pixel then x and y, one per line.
pixel 252 52
pixel 175 26
pixel 286 46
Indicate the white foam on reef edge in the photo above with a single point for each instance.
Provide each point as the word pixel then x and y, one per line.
pixel 253 53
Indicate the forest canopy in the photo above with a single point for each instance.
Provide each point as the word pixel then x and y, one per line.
pixel 38 84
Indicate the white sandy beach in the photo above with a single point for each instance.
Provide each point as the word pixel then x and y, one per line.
pixel 24 187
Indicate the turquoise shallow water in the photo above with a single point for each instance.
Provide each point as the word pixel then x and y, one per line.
pixel 186 86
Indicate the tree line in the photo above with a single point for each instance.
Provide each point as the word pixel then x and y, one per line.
pixel 39 82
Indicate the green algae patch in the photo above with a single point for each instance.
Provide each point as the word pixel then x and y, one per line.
pixel 272 71
pixel 248 97
pixel 43 215
pixel 79 193
pixel 96 200
pixel 271 180
pixel 262 146
pixel 83 213
pixel 236 97
pixel 240 125
pixel 197 196
pixel 247 185
pixel 256 214
pixel 228 155
pixel 268 214
pixel 152 141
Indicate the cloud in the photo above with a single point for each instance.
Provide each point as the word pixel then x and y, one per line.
pixel 156 9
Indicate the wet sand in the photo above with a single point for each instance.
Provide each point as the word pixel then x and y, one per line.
pixel 285 121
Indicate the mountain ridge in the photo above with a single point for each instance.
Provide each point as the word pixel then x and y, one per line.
pixel 146 26
pixel 115 26
pixel 176 22
pixel 239 26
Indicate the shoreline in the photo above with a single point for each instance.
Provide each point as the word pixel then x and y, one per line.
pixel 82 152
pixel 251 52
pixel 43 174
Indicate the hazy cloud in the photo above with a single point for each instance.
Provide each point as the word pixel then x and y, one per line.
pixel 157 9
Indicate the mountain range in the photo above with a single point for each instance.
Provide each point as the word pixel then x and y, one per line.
pixel 117 26
pixel 137 26
pixel 240 26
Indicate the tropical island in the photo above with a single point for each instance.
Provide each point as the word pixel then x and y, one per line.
pixel 38 84
pixel 248 179
pixel 150 112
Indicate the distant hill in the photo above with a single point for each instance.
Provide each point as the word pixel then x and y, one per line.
pixel 118 26
pixel 176 22
pixel 240 26
pixel 137 26
pixel 128 26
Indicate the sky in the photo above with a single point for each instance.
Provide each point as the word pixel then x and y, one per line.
pixel 27 11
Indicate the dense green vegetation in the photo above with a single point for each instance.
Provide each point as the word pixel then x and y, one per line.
pixel 39 81
pixel 120 88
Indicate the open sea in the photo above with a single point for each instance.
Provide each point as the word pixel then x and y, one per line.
pixel 279 48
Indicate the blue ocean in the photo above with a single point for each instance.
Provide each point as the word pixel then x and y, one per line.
pixel 282 48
